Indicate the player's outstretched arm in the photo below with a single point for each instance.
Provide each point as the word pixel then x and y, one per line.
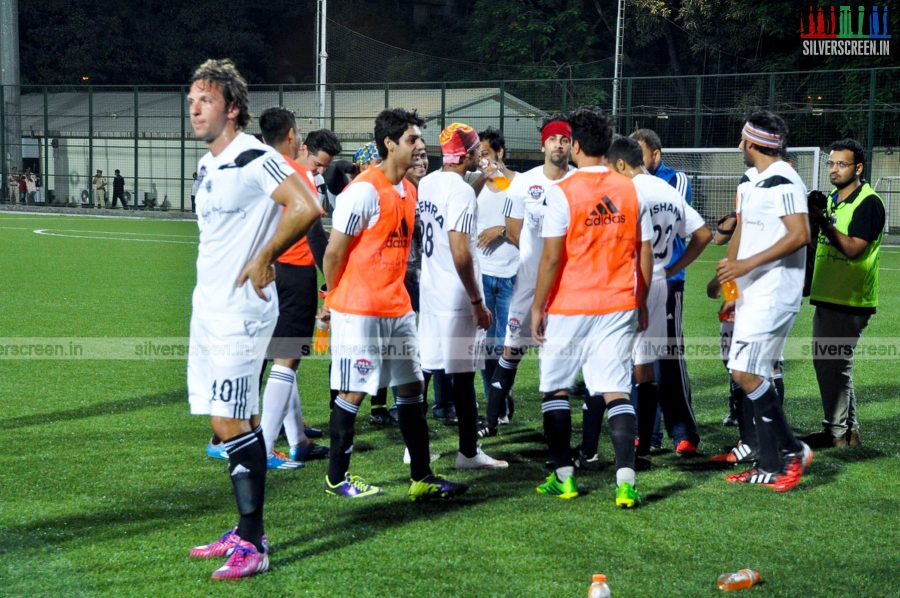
pixel 300 211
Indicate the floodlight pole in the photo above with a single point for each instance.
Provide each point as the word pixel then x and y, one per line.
pixel 322 56
pixel 617 62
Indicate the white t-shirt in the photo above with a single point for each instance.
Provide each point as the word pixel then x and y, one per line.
pixel 236 217
pixel 670 215
pixel 763 201
pixel 446 203
pixel 556 217
pixel 358 208
pixel 526 201
pixel 500 258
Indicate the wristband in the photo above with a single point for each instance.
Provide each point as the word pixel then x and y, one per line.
pixel 725 232
pixel 477 301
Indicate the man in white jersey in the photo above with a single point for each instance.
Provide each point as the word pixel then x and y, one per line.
pixel 452 306
pixel 525 207
pixel 672 218
pixel 498 256
pixel 243 186
pixel 766 259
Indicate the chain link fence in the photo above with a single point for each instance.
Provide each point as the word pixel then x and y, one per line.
pixel 64 135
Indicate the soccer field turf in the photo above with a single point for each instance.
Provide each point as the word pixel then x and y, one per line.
pixel 104 485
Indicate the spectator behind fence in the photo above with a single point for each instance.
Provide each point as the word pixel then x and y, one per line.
pixel 100 189
pixel 118 190
pixel 194 187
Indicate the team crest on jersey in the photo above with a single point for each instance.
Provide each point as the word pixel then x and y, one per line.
pixel 514 325
pixel 535 191
pixel 363 366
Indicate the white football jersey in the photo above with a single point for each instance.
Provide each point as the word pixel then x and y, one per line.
pixel 237 217
pixel 446 203
pixel 763 201
pixel 670 215
pixel 500 258
pixel 526 200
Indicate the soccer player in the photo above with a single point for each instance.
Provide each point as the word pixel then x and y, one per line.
pixel 318 150
pixel 672 217
pixel 296 281
pixel 498 257
pixel 235 304
pixel 451 297
pixel 678 413
pixel 373 327
pixel 524 209
pixel 766 259
pixel 590 300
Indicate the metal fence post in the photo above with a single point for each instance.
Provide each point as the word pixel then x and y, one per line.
pixel 502 103
pixel 3 164
pixel 870 130
pixel 183 92
pixel 46 146
pixel 443 105
pixel 134 198
pixel 281 95
pixel 387 96
pixel 90 168
pixel 698 112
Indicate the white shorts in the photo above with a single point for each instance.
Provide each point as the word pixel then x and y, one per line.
pixel 225 359
pixel 518 323
pixel 599 345
pixel 757 343
pixel 451 343
pixel 368 352
pixel 652 342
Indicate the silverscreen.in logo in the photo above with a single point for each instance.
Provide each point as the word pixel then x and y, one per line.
pixel 845 31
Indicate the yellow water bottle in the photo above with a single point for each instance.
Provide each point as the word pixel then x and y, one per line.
pixel 321 337
pixel 493 172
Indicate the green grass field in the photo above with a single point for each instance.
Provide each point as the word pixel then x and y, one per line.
pixel 104 485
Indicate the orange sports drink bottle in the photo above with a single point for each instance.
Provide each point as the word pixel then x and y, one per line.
pixel 739 580
pixel 494 173
pixel 730 291
pixel 321 337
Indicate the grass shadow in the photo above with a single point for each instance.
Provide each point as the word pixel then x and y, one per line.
pixel 105 408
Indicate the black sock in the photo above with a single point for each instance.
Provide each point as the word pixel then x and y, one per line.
pixel 592 421
pixel 414 429
pixel 746 419
pixel 772 427
pixel 341 428
pixel 558 429
pixel 487 374
pixel 501 383
pixel 215 439
pixel 379 401
pixel 648 401
pixel 778 381
pixel 620 419
pixel 247 468
pixel 734 401
pixel 463 385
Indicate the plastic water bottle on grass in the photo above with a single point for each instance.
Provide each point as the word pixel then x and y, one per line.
pixel 599 587
pixel 739 580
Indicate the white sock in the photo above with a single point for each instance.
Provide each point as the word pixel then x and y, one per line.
pixel 275 403
pixel 293 423
pixel 564 473
pixel 625 474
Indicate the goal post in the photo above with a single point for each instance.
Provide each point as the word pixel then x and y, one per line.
pixel 714 174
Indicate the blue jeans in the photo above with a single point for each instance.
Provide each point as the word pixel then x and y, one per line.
pixel 497 295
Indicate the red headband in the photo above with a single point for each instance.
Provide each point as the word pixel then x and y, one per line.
pixel 556 127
